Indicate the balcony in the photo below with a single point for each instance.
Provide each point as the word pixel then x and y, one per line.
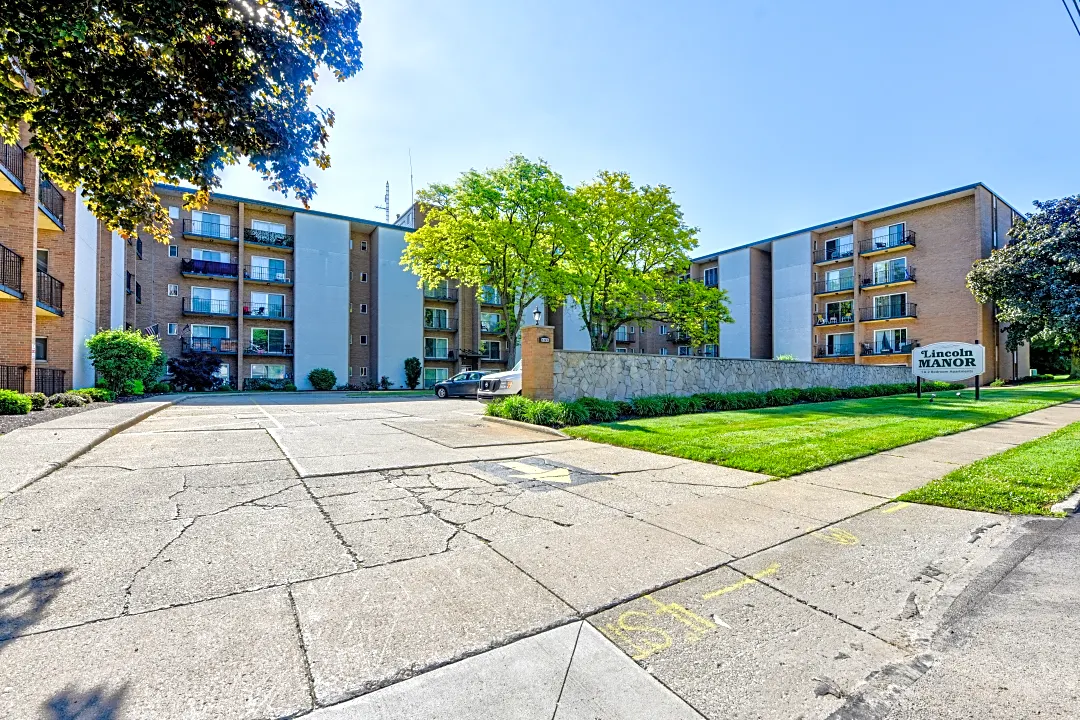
pixel 271 349
pixel 50 205
pixel 50 294
pixel 208 268
pixel 268 311
pixel 434 355
pixel 497 328
pixel 206 306
pixel 438 324
pixel 268 275
pixel 49 381
pixel 831 319
pixel 13 377
pixel 836 285
pixel 211 345
pixel 443 294
pixel 10 274
pixel 212 230
pixel 886 348
pixel 838 350
pixel 12 168
pixel 678 337
pixel 893 241
pixel 894 276
pixel 266 238
pixel 839 253
pixel 890 312
pixel 490 297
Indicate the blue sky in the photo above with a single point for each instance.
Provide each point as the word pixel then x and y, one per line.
pixel 763 117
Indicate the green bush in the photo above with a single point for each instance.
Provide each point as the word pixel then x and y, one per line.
pixel 95 394
pixel 625 408
pixel 544 412
pixel 786 357
pixel 819 394
pixel 134 387
pixel 322 379
pixel 161 388
pixel 648 406
pixel 289 387
pixel 513 407
pixel 412 372
pixel 67 399
pixel 998 382
pixel 38 401
pixel 599 411
pixel 746 400
pixel 575 413
pixel 781 397
pixel 123 357
pixel 157 369
pixel 13 403
pixel 196 371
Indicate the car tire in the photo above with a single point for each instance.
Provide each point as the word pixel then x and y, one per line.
pixel 441 393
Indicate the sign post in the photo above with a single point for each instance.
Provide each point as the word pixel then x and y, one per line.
pixel 948 362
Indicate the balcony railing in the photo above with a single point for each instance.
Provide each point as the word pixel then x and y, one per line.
pixel 262 273
pixel 888 348
pixel 270 348
pixel 206 306
pixel 50 293
pixel 842 284
pixel 840 252
pixel 270 311
pixel 888 242
pixel 678 336
pixel 49 381
pixel 269 238
pixel 837 350
pixel 888 312
pixel 13 377
pixel 441 324
pixel 211 345
pixel 212 229
pixel 11 269
pixel 497 328
pixel 434 355
pixel 13 158
pixel 826 319
pixel 893 275
pixel 440 294
pixel 51 200
pixel 209 267
pixel 623 337
pixel 490 298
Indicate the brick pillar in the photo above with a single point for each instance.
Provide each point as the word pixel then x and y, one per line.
pixel 537 353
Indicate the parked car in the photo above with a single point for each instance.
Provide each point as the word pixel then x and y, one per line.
pixel 464 384
pixel 500 384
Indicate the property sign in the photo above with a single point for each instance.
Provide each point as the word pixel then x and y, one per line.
pixel 948 361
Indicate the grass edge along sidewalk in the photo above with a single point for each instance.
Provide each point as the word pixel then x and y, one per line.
pixel 786 441
pixel 1025 480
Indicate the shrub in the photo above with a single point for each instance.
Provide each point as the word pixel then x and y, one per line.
pixel 384 383
pixel 599 411
pixel 261 385
pixel 648 406
pixel 998 382
pixel 67 399
pixel 511 408
pixel 13 403
pixel 819 394
pixel 289 387
pixel 322 379
pixel 684 405
pixel 745 400
pixel 545 412
pixel 412 372
pixel 157 369
pixel 95 394
pixel 161 387
pixel 122 357
pixel 134 387
pixel 38 401
pixel 625 408
pixel 195 371
pixel 575 413
pixel 786 357
pixel 781 397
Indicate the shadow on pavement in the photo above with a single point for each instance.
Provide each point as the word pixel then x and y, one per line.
pixel 94 704
pixel 23 605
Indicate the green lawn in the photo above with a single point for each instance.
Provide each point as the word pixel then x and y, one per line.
pixel 1027 479
pixel 787 441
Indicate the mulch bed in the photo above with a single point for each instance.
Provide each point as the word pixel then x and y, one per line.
pixel 14 422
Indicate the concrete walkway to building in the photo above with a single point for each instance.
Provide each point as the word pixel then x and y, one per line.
pixel 263 556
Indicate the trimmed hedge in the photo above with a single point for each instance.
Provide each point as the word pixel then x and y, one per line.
pixel 95 394
pixel 594 410
pixel 38 400
pixel 13 403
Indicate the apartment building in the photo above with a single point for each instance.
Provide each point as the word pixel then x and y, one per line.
pixel 868 288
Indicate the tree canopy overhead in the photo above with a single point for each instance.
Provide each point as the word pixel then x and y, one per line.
pixel 122 94
pixel 1034 281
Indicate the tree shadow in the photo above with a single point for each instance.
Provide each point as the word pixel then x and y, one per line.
pixel 23 605
pixel 94 704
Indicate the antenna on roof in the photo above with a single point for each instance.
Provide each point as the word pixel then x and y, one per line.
pixel 386 203
pixel 412 192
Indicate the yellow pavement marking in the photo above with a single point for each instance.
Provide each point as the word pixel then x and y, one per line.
pixel 649 640
pixel 531 472
pixel 894 508
pixel 771 570
pixel 836 535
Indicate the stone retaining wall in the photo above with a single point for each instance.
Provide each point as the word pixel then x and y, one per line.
pixel 618 376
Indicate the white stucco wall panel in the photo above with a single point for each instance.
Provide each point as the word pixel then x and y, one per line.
pixel 321 297
pixel 400 307
pixel 734 278
pixel 85 306
pixel 792 275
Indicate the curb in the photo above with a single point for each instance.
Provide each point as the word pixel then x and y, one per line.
pixel 1068 505
pixel 115 429
pixel 526 426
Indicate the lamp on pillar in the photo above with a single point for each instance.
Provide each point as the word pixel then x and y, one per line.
pixel 536 316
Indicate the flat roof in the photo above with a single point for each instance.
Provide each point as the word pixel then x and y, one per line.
pixel 842 221
pixel 291 208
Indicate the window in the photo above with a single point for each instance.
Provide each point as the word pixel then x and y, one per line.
pixel 890 271
pixel 363 277
pixel 620 350
pixel 363 372
pixel 837 280
pixel 890 306
pixel 268 340
pixel 490 295
pixel 890 341
pixel 631 329
pixel 663 351
pixel 267 269
pixel 43 260
pixel 621 335
pixel 208 337
pixel 684 350
pixel 436 319
pixel 434 375
pixel 490 322
pixel 363 244
pixel 712 350
pixel 271 305
pixel 138 247
pixel 840 247
pixel 268 227
pixel 642 329
pixel 711 277
pixel 840 344
pixel 210 300
pixel 269 372
pixel 436 348
pixel 41 349
pixel 363 339
pixel 438 291
pixel 138 293
pixel 174 290
pixel 490 349
pixel 174 212
pixel 209 255
pixel 663 329
pixel 837 313
pixel 174 251
pixel 888 236
pixel 363 308
pixel 223 371
pixel 128 277
pixel 171 329
pixel 210 225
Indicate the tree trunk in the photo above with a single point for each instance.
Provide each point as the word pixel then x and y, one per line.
pixel 1075 373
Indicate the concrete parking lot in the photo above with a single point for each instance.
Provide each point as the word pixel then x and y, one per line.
pixel 264 556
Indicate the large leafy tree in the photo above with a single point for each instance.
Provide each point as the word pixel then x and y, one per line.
pixel 503 228
pixel 1034 281
pixel 628 263
pixel 121 94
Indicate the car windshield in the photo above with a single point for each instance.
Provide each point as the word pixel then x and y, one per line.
pixel 517 367
pixel 459 377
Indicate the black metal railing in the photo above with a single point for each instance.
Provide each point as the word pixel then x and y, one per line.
pixel 13 377
pixel 51 199
pixel 836 350
pixel 888 348
pixel 887 242
pixel 10 269
pixel 890 276
pixel 433 355
pixel 49 381
pixel 490 298
pixel 206 306
pixel 892 311
pixel 826 319
pixel 269 348
pixel 13 158
pixel 440 294
pixel 214 229
pixel 441 324
pixel 258 383
pixel 261 273
pixel 839 252
pixel 270 311
pixel 50 292
pixel 268 238
pixel 213 345
pixel 678 336
pixel 842 284
pixel 209 267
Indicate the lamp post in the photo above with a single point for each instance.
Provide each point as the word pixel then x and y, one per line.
pixel 536 316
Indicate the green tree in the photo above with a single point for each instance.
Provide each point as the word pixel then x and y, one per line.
pixel 502 228
pixel 123 357
pixel 120 95
pixel 412 372
pixel 628 262
pixel 1034 281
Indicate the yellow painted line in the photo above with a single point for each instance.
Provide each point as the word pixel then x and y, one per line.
pixel 771 570
pixel 531 472
pixel 836 535
pixel 894 508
